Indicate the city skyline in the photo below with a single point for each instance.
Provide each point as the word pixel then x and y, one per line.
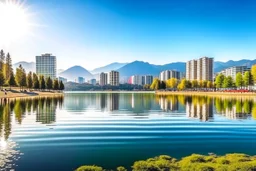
pixel 93 33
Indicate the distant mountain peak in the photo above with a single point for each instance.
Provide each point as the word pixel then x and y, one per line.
pixel 76 71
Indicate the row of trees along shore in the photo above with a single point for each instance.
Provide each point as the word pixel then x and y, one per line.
pixel 242 81
pixel 23 80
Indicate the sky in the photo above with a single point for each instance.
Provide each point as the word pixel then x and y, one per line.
pixel 94 33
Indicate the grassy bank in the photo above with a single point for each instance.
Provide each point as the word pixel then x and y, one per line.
pixel 194 162
pixel 16 93
pixel 201 93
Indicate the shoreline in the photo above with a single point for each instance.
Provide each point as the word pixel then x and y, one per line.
pixel 210 94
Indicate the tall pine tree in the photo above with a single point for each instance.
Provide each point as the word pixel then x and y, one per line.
pixel 8 67
pixel 35 81
pixel 2 80
pixel 2 60
pixel 49 83
pixel 20 77
pixel 29 80
pixel 11 81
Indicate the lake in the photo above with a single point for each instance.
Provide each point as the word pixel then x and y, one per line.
pixel 113 129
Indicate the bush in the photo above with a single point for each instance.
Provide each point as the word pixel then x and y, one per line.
pixel 89 168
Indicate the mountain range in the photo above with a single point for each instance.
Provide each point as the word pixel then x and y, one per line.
pixel 134 68
pixel 28 66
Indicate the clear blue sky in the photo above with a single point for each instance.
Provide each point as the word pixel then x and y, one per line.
pixel 93 33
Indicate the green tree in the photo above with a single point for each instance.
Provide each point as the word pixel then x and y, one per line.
pixel 2 80
pixel 8 67
pixel 121 168
pixel 162 85
pixel 49 83
pixel 56 84
pixel 209 84
pixel 35 81
pixel 239 80
pixel 155 84
pixel 20 77
pixel 2 60
pixel 62 87
pixel 204 84
pixel 253 72
pixel 228 82
pixel 171 83
pixel 194 84
pixel 247 79
pixel 42 82
pixel 11 81
pixel 29 80
pixel 219 80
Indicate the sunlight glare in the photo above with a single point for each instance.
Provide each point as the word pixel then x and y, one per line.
pixel 14 21
pixel 3 144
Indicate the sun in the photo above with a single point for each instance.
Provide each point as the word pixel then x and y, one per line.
pixel 14 21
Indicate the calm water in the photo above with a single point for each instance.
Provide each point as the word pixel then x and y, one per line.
pixel 116 129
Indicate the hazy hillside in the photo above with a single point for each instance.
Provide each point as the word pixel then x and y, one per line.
pixel 28 66
pixel 107 68
pixel 74 72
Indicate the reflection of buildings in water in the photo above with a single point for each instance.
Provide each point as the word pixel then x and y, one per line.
pixel 168 104
pixel 103 99
pixel 233 113
pixel 113 101
pixel 202 112
pixel 46 111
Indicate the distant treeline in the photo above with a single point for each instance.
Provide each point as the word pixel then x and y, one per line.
pixel 23 80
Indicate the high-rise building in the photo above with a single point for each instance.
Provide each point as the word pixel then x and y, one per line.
pixel 113 78
pixel 232 71
pixel 148 79
pixel 200 69
pixel 103 79
pixel 46 65
pixel 80 80
pixel 93 81
pixel 166 75
pixel 137 80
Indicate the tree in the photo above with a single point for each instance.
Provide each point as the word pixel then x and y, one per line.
pixel 209 84
pixel 253 72
pixel 219 80
pixel 228 82
pixel 35 81
pixel 2 80
pixel 121 168
pixel 8 67
pixel 171 83
pixel 20 77
pixel 247 79
pixel 194 84
pixel 155 84
pixel 183 84
pixel 2 60
pixel 162 85
pixel 204 84
pixel 29 80
pixel 42 82
pixel 11 81
pixel 56 84
pixel 239 80
pixel 49 83
pixel 62 87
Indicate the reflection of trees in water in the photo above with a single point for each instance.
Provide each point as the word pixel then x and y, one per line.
pixel 235 108
pixel 44 108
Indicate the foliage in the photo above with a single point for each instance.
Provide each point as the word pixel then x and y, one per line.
pixel 29 80
pixel 239 80
pixel 35 81
pixel 219 80
pixel 62 87
pixel 8 67
pixel 209 84
pixel 228 82
pixel 194 162
pixel 247 78
pixel 2 80
pixel 56 84
pixel 20 77
pixel 121 168
pixel 49 83
pixel 171 83
pixel 194 84
pixel 41 82
pixel 253 72
pixel 155 84
pixel 89 168
pixel 11 80
pixel 2 59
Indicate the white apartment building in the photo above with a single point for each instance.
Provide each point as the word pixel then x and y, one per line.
pixel 232 71
pixel 46 65
pixel 113 78
pixel 165 75
pixel 200 69
pixel 103 79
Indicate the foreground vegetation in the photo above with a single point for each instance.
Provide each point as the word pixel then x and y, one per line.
pixel 195 162
pixel 22 79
